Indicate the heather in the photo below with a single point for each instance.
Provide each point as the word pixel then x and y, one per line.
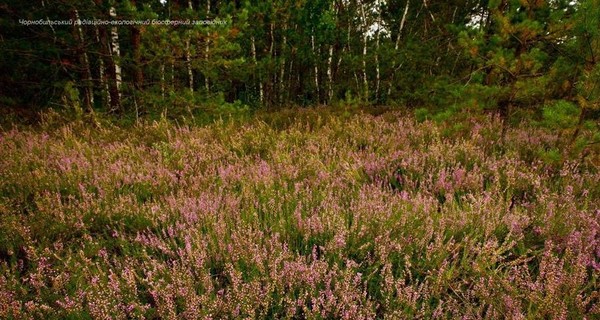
pixel 299 215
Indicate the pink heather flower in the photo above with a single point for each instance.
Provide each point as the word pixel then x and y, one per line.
pixel 103 253
pixel 340 240
pixel 459 175
pixel 67 304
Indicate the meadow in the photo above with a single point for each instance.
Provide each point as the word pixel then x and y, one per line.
pixel 309 215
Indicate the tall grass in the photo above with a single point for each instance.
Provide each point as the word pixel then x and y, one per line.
pixel 322 217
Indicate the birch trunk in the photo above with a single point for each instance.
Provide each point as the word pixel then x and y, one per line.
pixel 377 67
pixel 206 56
pixel 260 85
pixel 330 74
pixel 290 79
pixel 397 45
pixel 272 76
pixel 172 74
pixel 364 53
pixel 272 35
pixel 207 49
pixel 429 11
pixel 282 68
pixel 162 79
pixel 115 54
pixel 330 62
pixel 188 55
pixel 188 63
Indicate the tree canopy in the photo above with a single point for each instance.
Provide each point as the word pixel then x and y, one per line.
pixel 149 55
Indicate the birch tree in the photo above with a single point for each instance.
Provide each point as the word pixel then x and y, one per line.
pixel 364 35
pixel 397 45
pixel 115 54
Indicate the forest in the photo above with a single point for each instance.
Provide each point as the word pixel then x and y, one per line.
pixel 306 159
pixel 440 55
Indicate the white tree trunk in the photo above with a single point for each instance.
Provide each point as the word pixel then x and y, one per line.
pixel 364 53
pixel 188 55
pixel 188 63
pixel 272 35
pixel 49 24
pixel 260 85
pixel 402 23
pixel 207 49
pixel 206 57
pixel 330 62
pixel 377 67
pixel 397 44
pixel 162 79
pixel 330 74
pixel 427 7
pixel 282 70
pixel 290 78
pixel 172 74
pixel 116 51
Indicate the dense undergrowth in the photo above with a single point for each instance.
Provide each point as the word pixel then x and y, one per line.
pixel 324 216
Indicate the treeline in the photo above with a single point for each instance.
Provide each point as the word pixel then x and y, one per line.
pixel 450 55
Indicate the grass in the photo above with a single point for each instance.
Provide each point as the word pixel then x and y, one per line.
pixel 298 214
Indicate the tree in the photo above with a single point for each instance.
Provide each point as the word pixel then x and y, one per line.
pixel 584 47
pixel 514 51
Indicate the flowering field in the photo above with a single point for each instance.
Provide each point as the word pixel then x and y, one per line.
pixel 321 217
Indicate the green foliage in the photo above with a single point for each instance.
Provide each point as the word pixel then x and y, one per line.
pixel 552 157
pixel 422 114
pixel 263 53
pixel 71 101
pixel 561 115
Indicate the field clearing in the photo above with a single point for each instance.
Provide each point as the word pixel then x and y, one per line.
pixel 321 217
